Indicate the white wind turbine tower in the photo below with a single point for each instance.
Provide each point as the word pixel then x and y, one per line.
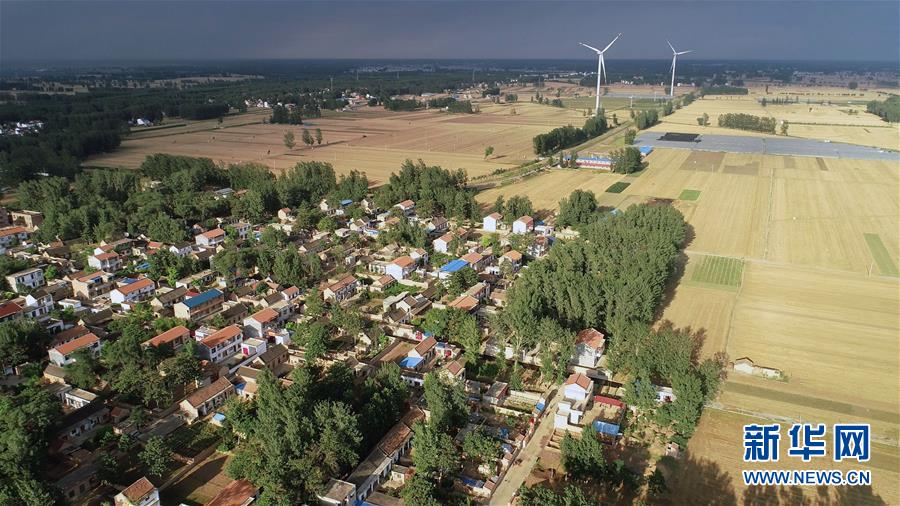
pixel 601 68
pixel 675 57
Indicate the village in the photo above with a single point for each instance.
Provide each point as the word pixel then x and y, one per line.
pixel 243 326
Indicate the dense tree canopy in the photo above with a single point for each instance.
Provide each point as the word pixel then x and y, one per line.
pixel 436 191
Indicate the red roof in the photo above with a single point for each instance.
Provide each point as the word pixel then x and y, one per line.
pixel 609 401
pixel 496 216
pixel 513 255
pixel 212 234
pixel 425 346
pixel 9 308
pixel 236 493
pixel 265 315
pixel 464 303
pixel 343 283
pixel 106 256
pixel 138 490
pixel 12 231
pixel 77 344
pixel 137 285
pixel 223 335
pixel 473 258
pixel 72 333
pixel 447 238
pixel 386 280
pixel 592 337
pixel 406 204
pixel 404 261
pixel 454 367
pixel 527 220
pixel 170 335
pixel 580 380
pixel 208 392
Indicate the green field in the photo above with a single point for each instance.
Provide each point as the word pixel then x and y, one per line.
pixel 689 195
pixel 880 254
pixel 721 271
pixel 618 187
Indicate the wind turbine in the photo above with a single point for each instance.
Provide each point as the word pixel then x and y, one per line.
pixel 675 57
pixel 601 68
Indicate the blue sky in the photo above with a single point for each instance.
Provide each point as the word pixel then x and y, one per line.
pixel 79 30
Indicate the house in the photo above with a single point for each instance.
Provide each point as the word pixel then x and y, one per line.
pixel 578 387
pixel 10 311
pixel 139 493
pixel 383 283
pixel 341 290
pixel 376 468
pixel 285 214
pixel 539 247
pixel 222 344
pixel 513 257
pixel 424 350
pixel 200 306
pixel 205 400
pixel 406 207
pixel 233 314
pixel 454 371
pixel 452 266
pixel 242 229
pixel 69 334
pixel 223 193
pixel 437 225
pixel 62 355
pixel 273 359
pixel 589 347
pixel 496 393
pixel 252 347
pixel 109 261
pixel 133 292
pixel 201 278
pixel 442 243
pixel 38 304
pixel 10 236
pixel 236 493
pixel 92 285
pixel 490 222
pixel 175 337
pixel 29 279
pixel 257 324
pixel 523 225
pixel 338 493
pixel 181 249
pixel 475 260
pixel 210 238
pixel 29 220
pixel 401 267
pixel 168 298
pixel 465 303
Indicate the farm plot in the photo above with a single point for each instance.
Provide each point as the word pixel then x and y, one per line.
pixel 547 189
pixel 832 333
pixel 721 271
pixel 710 473
pixel 371 140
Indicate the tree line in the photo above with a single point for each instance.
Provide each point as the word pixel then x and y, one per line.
pixel 723 90
pixel 568 136
pixel 743 121
pixel 436 191
pixel 888 109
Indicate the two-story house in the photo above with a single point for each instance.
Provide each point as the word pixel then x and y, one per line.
pixel 109 261
pixel 205 400
pixel 523 225
pixel 62 355
pixel 135 291
pixel 341 290
pixel 200 306
pixel 401 268
pixel 92 285
pixel 10 236
pixel 221 345
pixel 589 347
pixel 210 238
pixel 175 337
pixel 257 324
pixel 29 279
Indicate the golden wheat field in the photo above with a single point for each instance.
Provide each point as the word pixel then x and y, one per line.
pixel 710 472
pixel 370 140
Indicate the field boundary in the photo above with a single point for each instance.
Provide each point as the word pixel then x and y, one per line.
pixel 881 255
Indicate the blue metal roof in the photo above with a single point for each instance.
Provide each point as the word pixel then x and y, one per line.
pixel 609 429
pixel 455 265
pixel 346 202
pixel 646 150
pixel 219 417
pixel 411 362
pixel 202 298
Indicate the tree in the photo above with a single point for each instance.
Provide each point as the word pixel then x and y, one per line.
pixel 540 495
pixel 579 209
pixel 307 138
pixel 656 484
pixel 420 491
pixel 318 136
pixel 314 304
pixel 82 372
pixel 583 458
pixel 784 127
pixel 480 446
pixel 626 160
pixel 435 454
pixel 488 151
pixel 629 137
pixel 339 439
pixel 156 455
pixel 289 141
pixel 853 85
pixel 21 341
pixel 315 340
pixel 516 207
pixel 446 401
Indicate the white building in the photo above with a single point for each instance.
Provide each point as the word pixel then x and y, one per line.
pixel 29 279
pixel 133 292
pixel 491 222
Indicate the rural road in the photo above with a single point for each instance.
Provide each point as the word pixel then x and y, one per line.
pixel 516 475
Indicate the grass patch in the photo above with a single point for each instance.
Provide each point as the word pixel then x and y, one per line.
pixel 721 271
pixel 189 440
pixel 880 254
pixel 689 195
pixel 618 187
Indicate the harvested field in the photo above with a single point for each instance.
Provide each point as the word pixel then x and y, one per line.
pixel 548 188
pixel 711 471
pixel 371 140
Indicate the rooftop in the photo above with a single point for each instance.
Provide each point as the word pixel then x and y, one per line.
pixel 77 344
pixel 202 298
pixel 208 392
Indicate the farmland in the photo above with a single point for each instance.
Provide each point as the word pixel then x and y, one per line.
pixel 370 139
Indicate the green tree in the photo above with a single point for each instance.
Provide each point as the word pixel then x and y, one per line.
pixel 446 401
pixel 307 138
pixel 579 209
pixel 626 160
pixel 82 372
pixel 420 491
pixel 784 127
pixel 315 340
pixel 630 134
pixel 318 136
pixel 435 454
pixel 583 458
pixel 339 439
pixel 156 456
pixel 289 141
pixel 488 151
pixel 540 495
pixel 480 446
pixel 21 341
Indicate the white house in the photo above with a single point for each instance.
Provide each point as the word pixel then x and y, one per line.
pixel 29 279
pixel 109 262
pixel 578 387
pixel 407 206
pixel 401 267
pixel 139 493
pixel 182 249
pixel 205 400
pixel 133 292
pixel 210 238
pixel 523 225
pixel 491 222
pixel 442 243
pixel 62 355
pixel 257 324
pixel 12 235
pixel 589 347
pixel 221 345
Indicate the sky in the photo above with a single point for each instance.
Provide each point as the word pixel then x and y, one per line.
pixel 199 30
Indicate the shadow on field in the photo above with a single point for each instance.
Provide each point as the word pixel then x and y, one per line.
pixel 695 481
pixel 819 496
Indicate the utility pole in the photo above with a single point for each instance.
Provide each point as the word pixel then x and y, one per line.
pixel 332 84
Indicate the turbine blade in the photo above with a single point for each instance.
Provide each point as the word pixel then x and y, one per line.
pixel 670 45
pixel 590 47
pixel 611 43
pixel 605 79
pixel 686 52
